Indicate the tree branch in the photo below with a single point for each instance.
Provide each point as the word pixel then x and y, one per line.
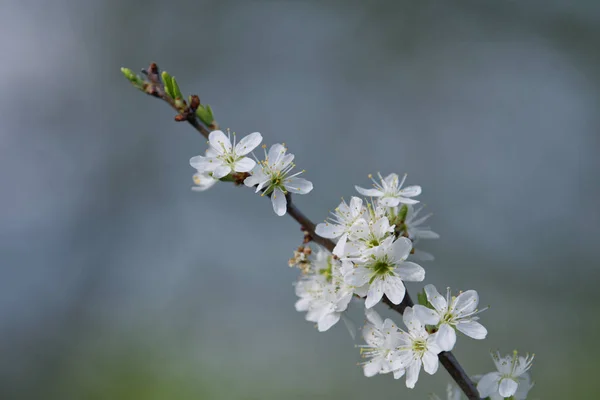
pixel 446 358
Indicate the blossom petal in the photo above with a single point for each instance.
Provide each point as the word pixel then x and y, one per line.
pixel 399 373
pixel 507 387
pixel 412 373
pixel 411 272
pixel 369 192
pixel 466 302
pixel 219 142
pixel 279 202
pixel 327 321
pixel 430 362
pixel 329 231
pixel 488 384
pixel 406 200
pixel 401 248
pixel 355 206
pixel 394 289
pixel 204 164
pixel 446 337
pixel 426 314
pixel 411 191
pixel 248 143
pixel 472 329
pixel 372 368
pixel 357 276
pixel 302 304
pixel 374 318
pixel 245 164
pixel 436 299
pixel 276 152
pixel 390 201
pixel 203 182
pixel 298 185
pixel 340 246
pixel 221 171
pixel 375 293
pixel 427 234
pixel 411 321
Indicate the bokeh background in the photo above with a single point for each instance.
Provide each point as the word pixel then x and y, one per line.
pixel 119 282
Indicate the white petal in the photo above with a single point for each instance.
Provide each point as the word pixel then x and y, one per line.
pixel 466 302
pixel 298 185
pixel 389 201
pixel 244 165
pixel 372 367
pixel 422 255
pixel 401 248
pixel 357 276
pixel 426 315
pixel 426 234
pixel 340 246
pixel 436 299
pixel 446 337
pixel 410 191
pixel 219 142
pixel 221 171
pixel 411 321
pixel 488 384
pixel 406 200
pixel 275 154
pixel 356 206
pixel 412 373
pixel 203 182
pixel 327 321
pixel 204 164
pixel 329 231
pixel 368 192
pixel 373 317
pixel 248 143
pixel 472 329
pixel 374 294
pixel 302 304
pixel 394 289
pixel 399 373
pixel 430 362
pixel 507 387
pixel 279 202
pixel 411 272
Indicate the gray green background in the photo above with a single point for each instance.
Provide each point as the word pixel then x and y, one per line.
pixel 119 282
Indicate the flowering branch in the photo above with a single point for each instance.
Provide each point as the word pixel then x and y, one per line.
pixel 374 242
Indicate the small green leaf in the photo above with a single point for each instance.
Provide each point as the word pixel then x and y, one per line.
pixel 403 212
pixel 205 113
pixel 167 79
pixel 133 78
pixel 176 92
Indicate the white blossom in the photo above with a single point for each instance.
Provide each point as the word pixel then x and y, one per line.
pixel 417 347
pixel 390 192
pixel 339 226
pixel 223 157
pixel 323 293
pixel 203 181
pixel 272 176
pixel 382 338
pixel 364 236
pixel 384 271
pixel 414 227
pixel 511 379
pixel 450 313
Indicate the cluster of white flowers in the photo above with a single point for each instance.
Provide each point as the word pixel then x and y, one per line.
pixel 271 176
pixel 375 237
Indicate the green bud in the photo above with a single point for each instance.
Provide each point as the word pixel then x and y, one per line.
pixel 402 213
pixel 167 80
pixel 133 78
pixel 179 103
pixel 176 92
pixel 205 113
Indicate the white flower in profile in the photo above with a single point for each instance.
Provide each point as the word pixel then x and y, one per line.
pixel 222 157
pixel 390 192
pixel 417 347
pixel 384 271
pixel 382 338
pixel 339 225
pixel 453 392
pixel 511 379
pixel 203 181
pixel 323 293
pixel 451 313
pixel 414 226
pixel 272 175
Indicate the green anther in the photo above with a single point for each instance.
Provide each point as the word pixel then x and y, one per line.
pixel 419 346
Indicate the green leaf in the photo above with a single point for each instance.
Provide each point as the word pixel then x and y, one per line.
pixel 176 92
pixel 133 78
pixel 168 81
pixel 205 113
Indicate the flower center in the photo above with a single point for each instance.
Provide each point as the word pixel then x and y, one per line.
pixel 326 272
pixel 380 268
pixel 447 318
pixel 419 346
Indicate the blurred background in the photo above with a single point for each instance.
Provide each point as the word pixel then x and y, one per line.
pixel 119 282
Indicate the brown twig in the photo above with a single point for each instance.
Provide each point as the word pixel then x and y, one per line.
pixel 446 358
